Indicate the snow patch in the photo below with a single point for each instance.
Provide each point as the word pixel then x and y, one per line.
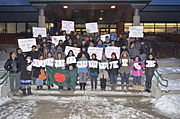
pixel 4 101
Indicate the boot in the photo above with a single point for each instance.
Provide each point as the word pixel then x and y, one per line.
pixel 139 88
pixel 49 87
pixel 80 86
pixel 127 88
pixel 84 86
pixel 134 87
pixel 123 87
pixel 37 87
pixel 24 92
pixel 29 91
pixel 112 87
pixel 41 87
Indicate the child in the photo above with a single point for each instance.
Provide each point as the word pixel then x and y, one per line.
pixel 125 69
pixel 151 66
pixel 113 71
pixel 137 72
pixel 26 74
pixel 103 73
pixel 93 73
pixel 83 72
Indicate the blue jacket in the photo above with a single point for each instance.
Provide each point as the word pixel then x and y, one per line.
pixel 84 70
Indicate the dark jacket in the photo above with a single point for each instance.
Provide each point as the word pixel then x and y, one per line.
pixel 25 74
pixel 94 71
pixel 150 70
pixel 9 63
pixel 113 71
pixel 34 55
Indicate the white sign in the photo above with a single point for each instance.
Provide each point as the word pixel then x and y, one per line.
pixel 103 37
pixel 38 63
pixel 93 64
pixel 114 65
pixel 56 39
pixel 136 31
pixel 59 63
pixel 49 62
pixel 103 65
pixel 71 60
pixel 74 49
pixel 110 50
pixel 137 66
pixel 124 62
pixel 68 26
pixel 97 51
pixel 92 27
pixel 150 63
pixel 26 44
pixel 82 64
pixel 39 31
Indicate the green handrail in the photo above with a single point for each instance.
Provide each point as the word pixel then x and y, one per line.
pixel 158 77
pixel 4 78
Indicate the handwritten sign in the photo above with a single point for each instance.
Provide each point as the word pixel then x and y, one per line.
pixel 114 65
pixel 38 63
pixel 71 60
pixel 93 64
pixel 59 63
pixel 26 44
pixel 49 62
pixel 137 66
pixel 97 51
pixel 74 49
pixel 103 37
pixel 68 26
pixel 56 39
pixel 92 27
pixel 39 31
pixel 103 65
pixel 136 31
pixel 110 50
pixel 82 64
pixel 124 62
pixel 150 63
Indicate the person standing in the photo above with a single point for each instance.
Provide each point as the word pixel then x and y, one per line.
pixel 13 65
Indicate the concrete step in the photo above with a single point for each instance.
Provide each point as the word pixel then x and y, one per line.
pixel 169 62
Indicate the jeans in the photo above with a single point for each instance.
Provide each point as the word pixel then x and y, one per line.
pixel 83 77
pixel 137 80
pixel 148 82
pixel 124 77
pixel 39 82
pixel 93 82
pixel 15 82
pixel 113 79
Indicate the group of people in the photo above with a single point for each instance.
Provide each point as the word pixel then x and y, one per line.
pixel 133 60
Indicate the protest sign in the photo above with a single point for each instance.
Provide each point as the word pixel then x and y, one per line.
pixel 150 63
pixel 59 63
pixel 26 44
pixel 114 65
pixel 124 62
pixel 56 39
pixel 82 64
pixel 92 27
pixel 39 31
pixel 97 51
pixel 137 66
pixel 49 62
pixel 110 50
pixel 38 63
pixel 93 64
pixel 103 65
pixel 71 60
pixel 67 26
pixel 103 37
pixel 136 31
pixel 74 49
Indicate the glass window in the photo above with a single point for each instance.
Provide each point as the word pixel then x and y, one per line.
pixel 113 26
pixel 78 29
pixel 11 27
pixel 80 25
pixel 171 27
pixel 102 25
pixel 148 27
pixel 179 26
pixel 126 26
pixel 30 25
pixel 113 30
pixel 21 27
pixel 160 28
pixel 2 28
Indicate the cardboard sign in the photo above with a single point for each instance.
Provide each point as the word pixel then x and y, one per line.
pixel 137 66
pixel 38 63
pixel 124 62
pixel 93 64
pixel 82 64
pixel 71 60
pixel 39 31
pixel 59 63
pixel 49 62
pixel 97 51
pixel 92 27
pixel 150 63
pixel 103 65
pixel 114 65
pixel 74 49
pixel 67 26
pixel 103 37
pixel 56 39
pixel 110 50
pixel 26 44
pixel 136 31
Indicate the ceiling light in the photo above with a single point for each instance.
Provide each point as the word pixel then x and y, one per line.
pixel 65 6
pixel 113 7
pixel 100 18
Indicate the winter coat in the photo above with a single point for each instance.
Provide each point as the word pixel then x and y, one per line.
pixel 25 74
pixel 125 68
pixel 133 52
pixel 94 71
pixel 80 54
pixel 34 55
pixel 150 70
pixel 103 73
pixel 113 71
pixel 84 70
pixel 137 72
pixel 9 63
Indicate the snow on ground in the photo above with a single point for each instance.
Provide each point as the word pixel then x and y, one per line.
pixel 168 70
pixel 169 105
pixel 169 60
pixel 18 110
pixel 4 101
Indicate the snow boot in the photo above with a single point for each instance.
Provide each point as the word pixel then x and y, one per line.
pixel 84 86
pixel 127 88
pixel 29 91
pixel 24 92
pixel 80 86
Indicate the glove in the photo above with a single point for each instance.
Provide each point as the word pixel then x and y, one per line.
pixel 135 69
pixel 139 63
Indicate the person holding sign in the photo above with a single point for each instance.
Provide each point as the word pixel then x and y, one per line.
pixel 93 71
pixel 137 72
pixel 82 65
pixel 125 63
pixel 103 72
pixel 113 71
pixel 70 59
pixel 150 66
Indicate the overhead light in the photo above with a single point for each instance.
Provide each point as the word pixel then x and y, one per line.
pixel 113 7
pixel 65 6
pixel 100 18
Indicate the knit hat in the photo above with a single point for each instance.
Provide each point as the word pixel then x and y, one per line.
pixel 113 54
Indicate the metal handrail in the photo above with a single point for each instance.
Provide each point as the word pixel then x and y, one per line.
pixel 4 78
pixel 158 77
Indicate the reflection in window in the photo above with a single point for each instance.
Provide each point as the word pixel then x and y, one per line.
pixel 21 27
pixel 11 27
pixel 2 28
pixel 30 25
pixel 171 27
pixel 126 26
pixel 160 28
pixel 148 27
